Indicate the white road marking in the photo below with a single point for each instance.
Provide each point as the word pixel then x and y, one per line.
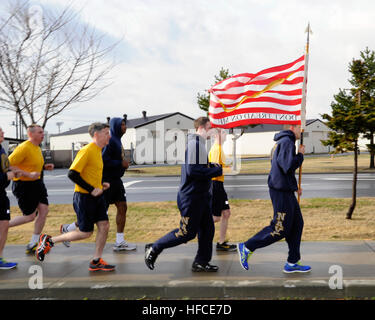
pixel 149 188
pixel 349 179
pixel 54 177
pixel 226 186
pixel 128 184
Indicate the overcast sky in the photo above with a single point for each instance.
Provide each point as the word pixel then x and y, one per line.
pixel 171 49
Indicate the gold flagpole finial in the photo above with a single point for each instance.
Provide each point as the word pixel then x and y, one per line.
pixel 308 29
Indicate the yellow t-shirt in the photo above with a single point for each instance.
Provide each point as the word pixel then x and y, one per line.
pixel 28 157
pixel 217 155
pixel 89 163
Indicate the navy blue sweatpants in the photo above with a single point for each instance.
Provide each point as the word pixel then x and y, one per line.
pixel 196 219
pixel 287 223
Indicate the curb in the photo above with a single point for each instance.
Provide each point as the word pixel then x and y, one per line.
pixel 218 289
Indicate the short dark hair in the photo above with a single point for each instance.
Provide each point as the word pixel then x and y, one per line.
pixel 287 126
pixel 201 121
pixel 97 126
pixel 32 126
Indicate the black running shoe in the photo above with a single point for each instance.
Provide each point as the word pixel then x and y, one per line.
pixel 197 267
pixel 225 246
pixel 150 256
pixel 101 265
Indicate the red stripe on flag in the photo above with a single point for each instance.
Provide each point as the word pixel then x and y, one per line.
pixel 281 68
pixel 296 92
pixel 256 82
pixel 293 102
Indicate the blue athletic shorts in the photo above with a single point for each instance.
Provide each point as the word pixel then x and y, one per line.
pixel 29 194
pixel 4 209
pixel 89 210
pixel 219 198
pixel 116 191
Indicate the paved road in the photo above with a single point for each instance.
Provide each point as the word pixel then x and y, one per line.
pixel 64 273
pixel 60 188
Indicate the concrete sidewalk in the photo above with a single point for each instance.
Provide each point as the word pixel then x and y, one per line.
pixel 65 274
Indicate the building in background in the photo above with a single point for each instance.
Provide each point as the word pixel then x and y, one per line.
pixel 258 141
pixel 9 144
pixel 148 139
pixel 162 139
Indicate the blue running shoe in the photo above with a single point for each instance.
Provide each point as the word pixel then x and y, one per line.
pixel 297 267
pixel 244 255
pixel 4 265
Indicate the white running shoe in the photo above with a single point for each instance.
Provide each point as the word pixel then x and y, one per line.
pixel 64 229
pixel 124 246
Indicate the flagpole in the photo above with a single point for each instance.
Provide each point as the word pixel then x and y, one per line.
pixel 303 103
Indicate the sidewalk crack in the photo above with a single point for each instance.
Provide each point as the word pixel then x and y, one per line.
pixel 369 246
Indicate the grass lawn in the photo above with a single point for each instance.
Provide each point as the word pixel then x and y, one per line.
pixel 147 221
pixel 310 165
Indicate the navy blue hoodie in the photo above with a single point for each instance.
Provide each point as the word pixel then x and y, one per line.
pixel 284 162
pixel 4 182
pixel 196 174
pixel 113 153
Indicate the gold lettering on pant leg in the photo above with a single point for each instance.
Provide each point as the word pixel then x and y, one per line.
pixel 183 227
pixel 279 224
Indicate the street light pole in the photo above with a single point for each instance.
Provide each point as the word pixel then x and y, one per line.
pixel 16 125
pixel 59 124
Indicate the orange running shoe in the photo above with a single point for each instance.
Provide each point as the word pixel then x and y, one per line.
pixel 44 246
pixel 101 265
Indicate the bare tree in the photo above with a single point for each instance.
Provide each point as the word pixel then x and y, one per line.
pixel 48 62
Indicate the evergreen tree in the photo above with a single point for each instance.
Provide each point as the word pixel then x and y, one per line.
pixel 203 99
pixel 348 121
pixel 363 79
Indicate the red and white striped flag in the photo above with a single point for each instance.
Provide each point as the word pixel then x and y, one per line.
pixel 271 96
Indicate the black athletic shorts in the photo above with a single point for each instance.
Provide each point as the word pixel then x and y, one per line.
pixel 89 210
pixel 116 191
pixel 219 198
pixel 4 209
pixel 29 194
